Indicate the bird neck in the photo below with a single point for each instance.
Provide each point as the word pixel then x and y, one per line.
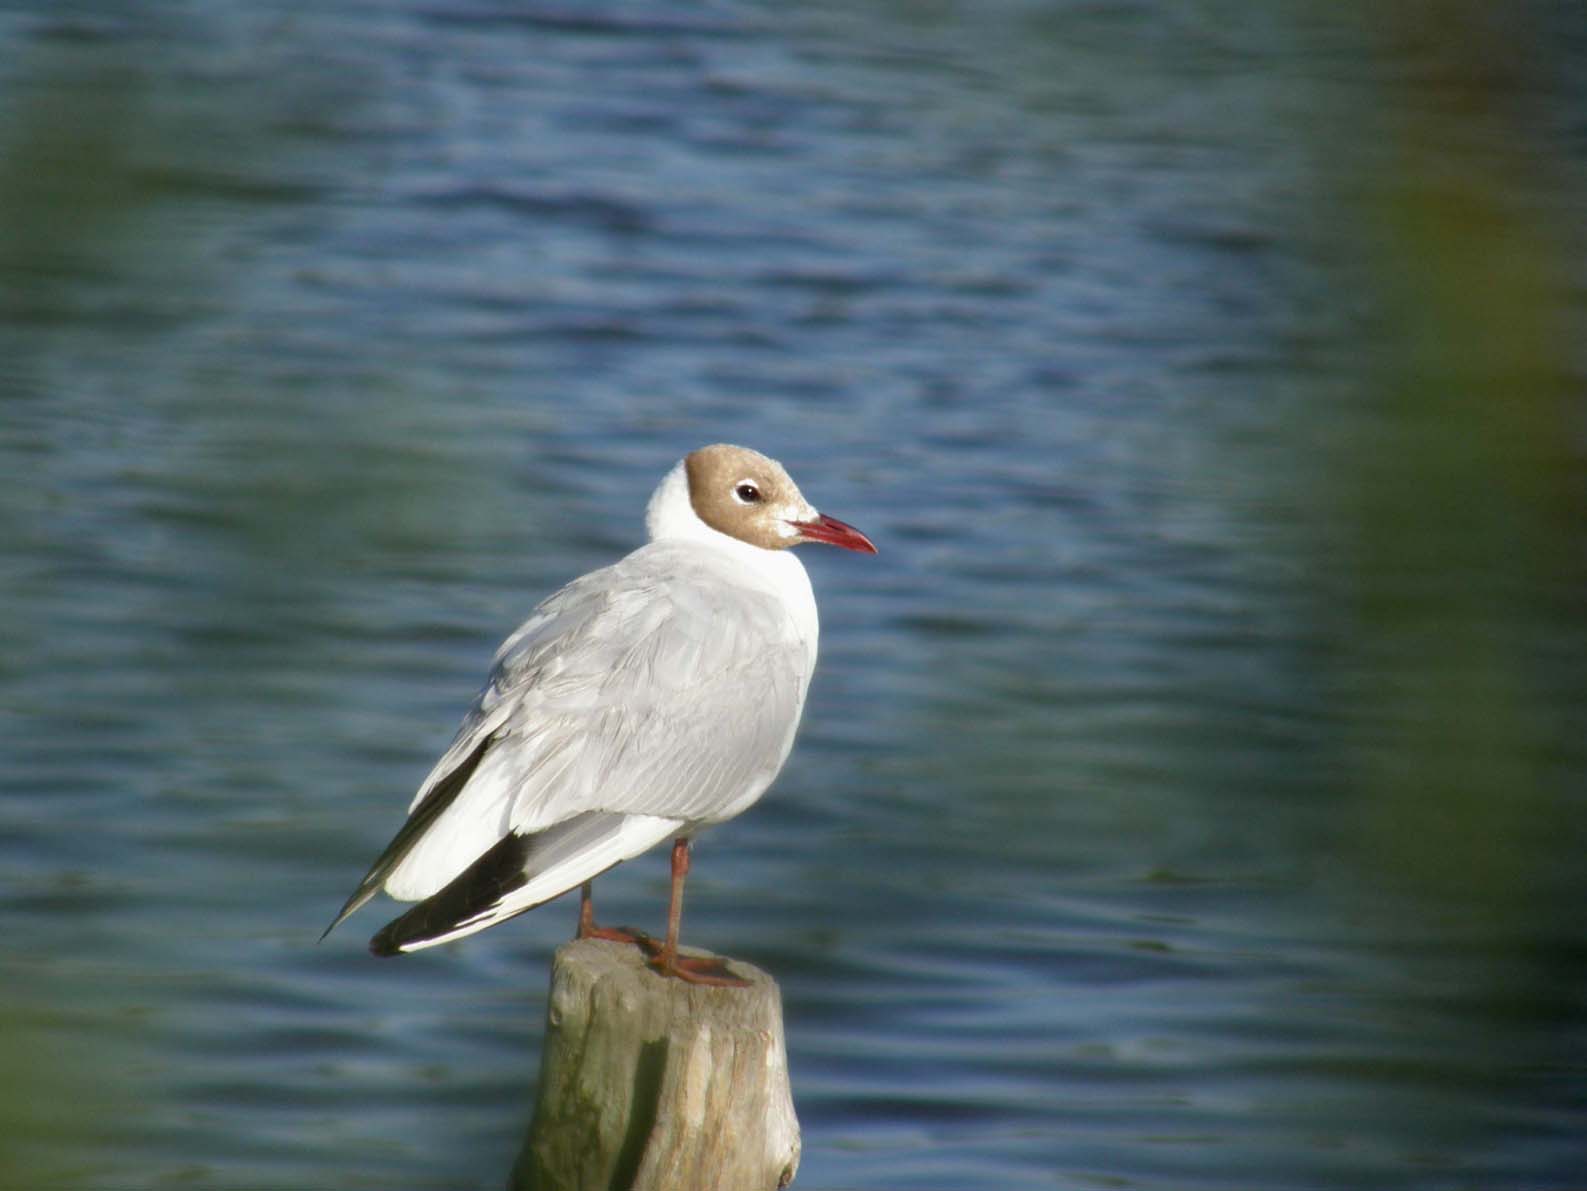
pixel 671 518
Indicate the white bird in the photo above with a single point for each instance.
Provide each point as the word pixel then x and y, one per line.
pixel 644 701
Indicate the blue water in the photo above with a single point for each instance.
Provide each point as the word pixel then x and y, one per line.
pixel 1191 793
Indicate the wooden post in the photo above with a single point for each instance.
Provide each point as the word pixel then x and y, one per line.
pixel 649 1083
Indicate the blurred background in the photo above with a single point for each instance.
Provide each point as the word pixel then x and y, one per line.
pixel 1193 793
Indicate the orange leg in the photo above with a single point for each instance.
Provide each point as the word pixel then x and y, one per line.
pixel 667 961
pixel 617 934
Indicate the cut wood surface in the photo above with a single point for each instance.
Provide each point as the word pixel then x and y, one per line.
pixel 647 1082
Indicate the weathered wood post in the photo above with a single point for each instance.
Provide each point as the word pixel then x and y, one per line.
pixel 650 1083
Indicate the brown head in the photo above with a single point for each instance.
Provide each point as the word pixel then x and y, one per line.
pixel 745 495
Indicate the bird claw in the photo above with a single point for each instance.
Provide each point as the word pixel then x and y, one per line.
pixel 695 969
pixel 691 969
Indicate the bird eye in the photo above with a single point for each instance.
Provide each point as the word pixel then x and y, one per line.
pixel 747 493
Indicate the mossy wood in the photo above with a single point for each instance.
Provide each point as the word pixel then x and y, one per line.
pixel 648 1082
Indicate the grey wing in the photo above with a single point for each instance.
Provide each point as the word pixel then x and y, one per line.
pixel 682 703
pixel 691 718
pixel 638 689
pixel 452 811
pixel 521 660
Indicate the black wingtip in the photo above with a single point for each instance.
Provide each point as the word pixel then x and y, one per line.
pixel 384 945
pixel 496 873
pixel 360 895
pixel 441 796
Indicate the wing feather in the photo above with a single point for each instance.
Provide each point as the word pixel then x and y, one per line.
pixel 659 686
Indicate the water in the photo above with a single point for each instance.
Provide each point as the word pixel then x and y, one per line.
pixel 1191 792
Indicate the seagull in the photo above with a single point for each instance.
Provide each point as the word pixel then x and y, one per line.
pixel 644 701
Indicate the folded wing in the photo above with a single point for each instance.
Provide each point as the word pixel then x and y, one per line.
pixel 657 690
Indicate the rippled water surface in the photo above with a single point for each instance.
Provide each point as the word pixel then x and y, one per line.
pixel 1191 793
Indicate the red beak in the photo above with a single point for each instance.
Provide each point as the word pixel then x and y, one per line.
pixel 834 533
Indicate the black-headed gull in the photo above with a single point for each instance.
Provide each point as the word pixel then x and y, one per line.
pixel 644 701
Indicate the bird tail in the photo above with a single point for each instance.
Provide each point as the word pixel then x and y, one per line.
pixel 440 796
pixel 520 872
